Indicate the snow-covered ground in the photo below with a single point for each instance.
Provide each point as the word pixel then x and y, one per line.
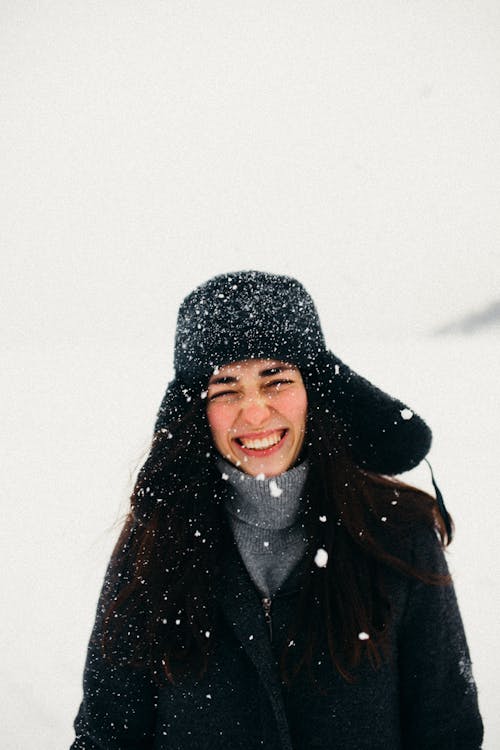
pixel 76 433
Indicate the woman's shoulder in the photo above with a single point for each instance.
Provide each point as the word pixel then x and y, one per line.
pixel 406 503
pixel 406 522
pixel 395 491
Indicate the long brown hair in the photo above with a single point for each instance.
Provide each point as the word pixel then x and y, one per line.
pixel 158 598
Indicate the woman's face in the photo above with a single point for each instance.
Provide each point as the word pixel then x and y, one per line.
pixel 257 411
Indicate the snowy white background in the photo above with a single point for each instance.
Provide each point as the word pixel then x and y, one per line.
pixel 147 146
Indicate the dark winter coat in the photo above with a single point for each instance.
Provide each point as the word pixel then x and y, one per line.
pixel 423 698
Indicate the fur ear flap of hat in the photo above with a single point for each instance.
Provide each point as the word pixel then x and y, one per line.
pixel 253 314
pixel 385 435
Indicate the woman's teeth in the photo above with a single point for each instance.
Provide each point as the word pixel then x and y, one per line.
pixel 263 443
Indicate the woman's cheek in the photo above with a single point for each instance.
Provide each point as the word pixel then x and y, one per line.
pixel 293 405
pixel 219 420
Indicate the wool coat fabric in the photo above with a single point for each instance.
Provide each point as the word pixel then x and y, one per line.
pixel 422 698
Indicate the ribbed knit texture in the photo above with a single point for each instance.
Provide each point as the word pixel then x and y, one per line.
pixel 265 517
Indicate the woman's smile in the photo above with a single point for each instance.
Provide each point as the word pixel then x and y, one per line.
pixel 262 444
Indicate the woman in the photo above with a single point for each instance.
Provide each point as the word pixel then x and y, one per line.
pixel 274 586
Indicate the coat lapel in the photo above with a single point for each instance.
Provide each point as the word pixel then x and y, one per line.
pixel 242 608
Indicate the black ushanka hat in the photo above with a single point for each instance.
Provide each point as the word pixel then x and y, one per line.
pixel 252 314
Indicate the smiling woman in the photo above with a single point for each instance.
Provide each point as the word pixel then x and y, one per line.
pixel 274 586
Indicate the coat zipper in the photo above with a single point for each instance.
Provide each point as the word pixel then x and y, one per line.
pixel 266 604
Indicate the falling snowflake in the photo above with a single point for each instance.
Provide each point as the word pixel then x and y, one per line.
pixel 363 636
pixel 274 489
pixel 322 519
pixel 406 413
pixel 321 558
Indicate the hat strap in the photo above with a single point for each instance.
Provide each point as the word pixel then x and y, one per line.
pixel 441 505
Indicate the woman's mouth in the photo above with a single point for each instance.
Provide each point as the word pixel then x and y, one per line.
pixel 263 446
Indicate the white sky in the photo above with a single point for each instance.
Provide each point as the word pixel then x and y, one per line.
pixel 147 146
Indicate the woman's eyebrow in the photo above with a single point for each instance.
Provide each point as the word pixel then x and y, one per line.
pixel 231 379
pixel 223 379
pixel 275 370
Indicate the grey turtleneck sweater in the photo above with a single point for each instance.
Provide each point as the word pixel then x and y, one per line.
pixel 265 515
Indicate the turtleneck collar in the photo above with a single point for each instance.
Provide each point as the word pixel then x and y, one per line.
pixel 265 502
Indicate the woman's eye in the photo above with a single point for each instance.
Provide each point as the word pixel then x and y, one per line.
pixel 221 393
pixel 274 385
pixel 278 383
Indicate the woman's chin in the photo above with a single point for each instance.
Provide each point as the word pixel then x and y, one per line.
pixel 255 466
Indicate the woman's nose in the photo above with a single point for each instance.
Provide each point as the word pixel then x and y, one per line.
pixel 255 410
